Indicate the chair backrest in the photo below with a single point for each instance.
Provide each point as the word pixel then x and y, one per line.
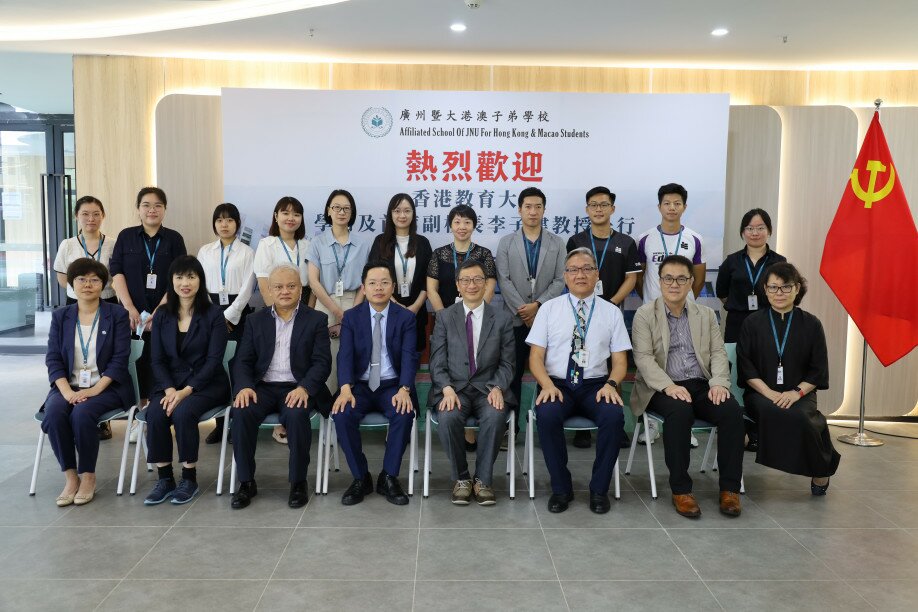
pixel 228 355
pixel 136 350
pixel 734 387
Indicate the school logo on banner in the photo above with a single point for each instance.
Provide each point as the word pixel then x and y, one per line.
pixel 376 121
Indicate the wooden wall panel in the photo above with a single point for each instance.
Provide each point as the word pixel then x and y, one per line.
pixel 861 88
pixel 196 75
pixel 411 77
pixel 581 80
pixel 771 87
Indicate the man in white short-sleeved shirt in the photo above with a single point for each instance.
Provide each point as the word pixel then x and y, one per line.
pixel 572 338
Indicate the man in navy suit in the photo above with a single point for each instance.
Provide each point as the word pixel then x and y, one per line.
pixel 281 366
pixel 377 363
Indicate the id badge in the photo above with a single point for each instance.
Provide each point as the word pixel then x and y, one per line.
pixel 151 281
pixel 780 380
pixel 458 299
pixel 753 302
pixel 532 286
pixel 404 289
pixel 581 357
pixel 598 290
pixel 224 298
pixel 339 288
pixel 85 379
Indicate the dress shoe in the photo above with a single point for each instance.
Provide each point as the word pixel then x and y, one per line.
pixel 558 502
pixel 299 495
pixel 599 504
pixel 105 431
pixel 686 505
pixel 625 442
pixel 215 436
pixel 730 503
pixel 65 500
pixel 471 447
pixel 753 444
pixel 81 499
pixel 390 487
pixel 583 439
pixel 462 492
pixel 360 488
pixel 818 490
pixel 243 497
pixel 484 494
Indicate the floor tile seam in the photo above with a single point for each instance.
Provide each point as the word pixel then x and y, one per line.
pixel 283 552
pixel 881 515
pixel 417 556
pixel 548 548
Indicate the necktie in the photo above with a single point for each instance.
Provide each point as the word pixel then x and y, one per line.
pixel 470 338
pixel 376 353
pixel 575 372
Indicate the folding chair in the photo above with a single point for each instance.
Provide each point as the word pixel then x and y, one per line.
pixel 136 350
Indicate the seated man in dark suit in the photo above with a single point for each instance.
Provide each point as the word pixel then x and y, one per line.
pixel 281 366
pixel 472 355
pixel 377 363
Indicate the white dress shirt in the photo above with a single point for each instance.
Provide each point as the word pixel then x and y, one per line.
pixel 386 371
pixel 240 274
pixel 272 252
pixel 412 262
pixel 477 315
pixel 280 370
pixel 72 249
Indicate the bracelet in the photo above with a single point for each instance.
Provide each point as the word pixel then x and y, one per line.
pixel 800 391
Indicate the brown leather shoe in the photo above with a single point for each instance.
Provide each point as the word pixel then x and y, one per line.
pixel 686 505
pixel 730 503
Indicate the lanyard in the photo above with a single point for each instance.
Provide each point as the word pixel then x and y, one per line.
pixel 150 256
pixel 774 332
pixel 456 258
pixel 583 330
pixel 404 262
pixel 532 255
pixel 678 241
pixel 85 346
pixel 287 253
pixel 338 264
pixel 603 258
pixel 757 274
pixel 98 251
pixel 224 262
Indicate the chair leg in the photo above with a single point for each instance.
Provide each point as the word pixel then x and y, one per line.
pixel 223 442
pixel 146 452
pixel 331 436
pixel 742 486
pixel 427 426
pixel 634 439
pixel 530 444
pixel 319 452
pixel 140 427
pixel 707 448
pixel 653 477
pixel 618 486
pixel 124 450
pixel 232 485
pixel 511 454
pixel 41 444
pixel 714 463
pixel 412 456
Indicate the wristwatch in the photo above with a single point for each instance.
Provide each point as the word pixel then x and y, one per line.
pixel 405 388
pixel 800 391
pixel 612 384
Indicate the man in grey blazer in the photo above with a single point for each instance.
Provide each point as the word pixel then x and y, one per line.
pixel 683 372
pixel 471 366
pixel 530 271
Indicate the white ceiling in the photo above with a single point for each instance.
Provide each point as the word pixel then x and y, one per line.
pixel 819 33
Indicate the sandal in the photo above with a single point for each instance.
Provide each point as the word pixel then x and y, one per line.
pixel 279 436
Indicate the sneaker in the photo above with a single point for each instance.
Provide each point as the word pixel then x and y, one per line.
pixel 185 491
pixel 135 431
pixel 693 441
pixel 462 492
pixel 654 429
pixel 484 495
pixel 164 489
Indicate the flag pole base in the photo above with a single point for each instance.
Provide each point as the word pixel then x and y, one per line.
pixel 860 439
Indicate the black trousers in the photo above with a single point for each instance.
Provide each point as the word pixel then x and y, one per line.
pixel 522 362
pixel 677 427
pixel 185 419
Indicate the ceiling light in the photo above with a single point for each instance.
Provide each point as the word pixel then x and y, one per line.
pixel 457 27
pixel 720 32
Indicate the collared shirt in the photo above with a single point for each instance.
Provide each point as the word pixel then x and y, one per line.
pixel 477 315
pixel 130 259
pixel 553 330
pixel 272 252
pixel 386 371
pixel 322 253
pixel 280 370
pixel 654 245
pixel 681 361
pixel 240 275
pixel 71 249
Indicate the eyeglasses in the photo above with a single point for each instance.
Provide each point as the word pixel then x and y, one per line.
pixel 679 280
pixel 288 287
pixel 384 284
pixel 785 289
pixel 400 211
pixel 757 229
pixel 92 281
pixel 599 205
pixel 471 280
pixel 341 209
pixel 583 269
pixel 157 206
pixel 90 215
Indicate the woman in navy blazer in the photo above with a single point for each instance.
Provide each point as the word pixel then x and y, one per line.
pixel 188 341
pixel 89 344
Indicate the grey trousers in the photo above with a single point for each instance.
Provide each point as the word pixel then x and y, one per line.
pixel 491 426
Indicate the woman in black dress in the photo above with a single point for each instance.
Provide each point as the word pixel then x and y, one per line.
pixel 410 252
pixel 782 361
pixel 441 272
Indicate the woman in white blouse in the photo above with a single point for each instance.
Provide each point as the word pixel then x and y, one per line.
pixel 89 242
pixel 229 269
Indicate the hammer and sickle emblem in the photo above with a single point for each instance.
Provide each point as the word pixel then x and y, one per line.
pixel 871 195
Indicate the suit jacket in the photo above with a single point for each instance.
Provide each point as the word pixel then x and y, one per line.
pixel 495 359
pixel 310 353
pixel 113 347
pixel 513 271
pixel 357 344
pixel 650 341
pixel 199 363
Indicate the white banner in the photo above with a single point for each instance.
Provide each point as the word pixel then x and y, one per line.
pixel 478 148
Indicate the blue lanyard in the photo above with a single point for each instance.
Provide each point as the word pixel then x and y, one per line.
pixel 98 251
pixel 678 241
pixel 757 274
pixel 404 263
pixel 224 262
pixel 150 256
pixel 532 255
pixel 774 332
pixel 338 264
pixel 583 330
pixel 456 258
pixel 85 346
pixel 287 253
pixel 593 244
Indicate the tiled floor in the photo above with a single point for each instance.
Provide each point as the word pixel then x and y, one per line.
pixel 856 549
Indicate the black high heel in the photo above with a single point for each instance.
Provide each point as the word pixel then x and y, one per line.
pixel 819 490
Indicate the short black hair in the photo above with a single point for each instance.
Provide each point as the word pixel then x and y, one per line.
pixel 788 273
pixel 283 204
pixel 159 193
pixel 88 199
pixel 672 188
pixel 747 219
pixel 530 192
pixel 184 265
pixel 350 198
pixel 463 210
pixel 84 266
pixel 678 260
pixel 377 263
pixel 470 263
pixel 599 190
pixel 228 211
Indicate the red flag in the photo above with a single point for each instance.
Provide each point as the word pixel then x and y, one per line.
pixel 870 258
